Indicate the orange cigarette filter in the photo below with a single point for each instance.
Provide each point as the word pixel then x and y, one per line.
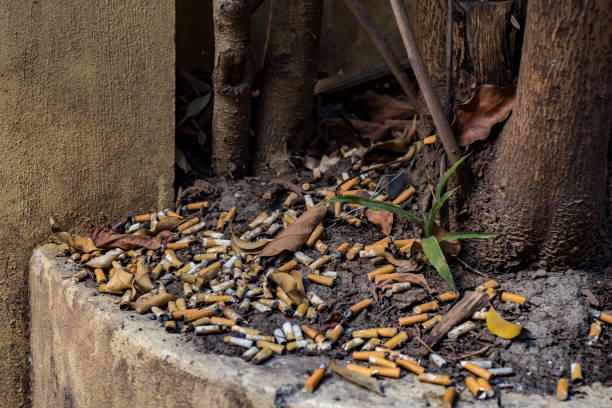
pixel 406 194
pixel 177 245
pixel 511 297
pixel 426 307
pixel 396 340
pixel 365 355
pixel 321 247
pixel 287 266
pixel 315 235
pixel 605 317
pixel 335 333
pixel 352 193
pixel 170 326
pixel 474 387
pixel 173 214
pixel 343 247
pixel 484 384
pixel 576 372
pixel 356 368
pixel 381 361
pixel 562 389
pixel 354 251
pixel 142 218
pixel 448 399
pixel 196 206
pixel 315 379
pixel 430 140
pixel 260 217
pixel 431 322
pixel 358 307
pixel 320 279
pixel 190 315
pixel 100 276
pixel 280 293
pixel 383 242
pixel 347 185
pixel 389 372
pixel 221 321
pixel 477 370
pixel 385 277
pixel 488 284
pixel 366 333
pixel 448 296
pixel 410 366
pixel 188 224
pixel 387 331
pixel 337 209
pixel 414 319
pixel 309 331
pixel 383 270
pixel 221 221
pixel 354 221
pixel 438 379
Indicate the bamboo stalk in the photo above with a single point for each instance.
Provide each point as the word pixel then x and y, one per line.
pixel 383 48
pixel 431 99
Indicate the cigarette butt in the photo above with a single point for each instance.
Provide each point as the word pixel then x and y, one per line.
pixel 142 218
pixel 389 372
pixel 387 331
pixel 300 311
pixel 320 279
pixel 170 326
pixel 475 388
pixel 448 399
pixel 381 361
pixel 365 355
pixel 594 333
pixel 562 389
pixel 438 379
pixel 315 379
pixel 100 276
pixel 380 243
pixel 208 329
pixel 371 344
pixel 310 331
pixel 316 265
pixel 263 355
pixel 396 340
pixel 352 344
pixel 480 315
pixel 303 258
pixel 484 384
pixel 335 333
pixel 337 209
pixel 188 224
pixel 576 372
pixel 429 324
pixel 191 314
pixel 354 251
pixel 430 140
pixel 410 366
pixel 488 284
pixel 347 185
pixel 461 329
pixel 230 215
pixel 477 370
pixel 353 220
pixel 425 307
pixel 276 348
pixel 315 235
pixel 221 321
pixel 280 294
pixel 244 330
pixel 603 316
pixel 511 297
pixel 358 307
pixel 372 252
pixel 196 206
pixel 180 304
pixel 343 247
pixel 383 270
pixel 385 277
pixel 221 222
pixel 414 319
pixel 321 247
pixel 356 368
pixel 448 297
pixel 406 194
pixel 287 203
pixel 287 266
pixel 237 341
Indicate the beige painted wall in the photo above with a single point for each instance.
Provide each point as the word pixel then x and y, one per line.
pixel 86 134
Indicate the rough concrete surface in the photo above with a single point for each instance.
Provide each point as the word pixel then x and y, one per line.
pixel 88 353
pixel 86 134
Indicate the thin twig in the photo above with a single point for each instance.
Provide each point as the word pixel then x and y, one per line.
pixel 431 98
pixel 471 268
pixel 474 353
pixel 449 58
pixel 383 48
pixel 416 336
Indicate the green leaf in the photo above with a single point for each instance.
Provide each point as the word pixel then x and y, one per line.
pixel 447 174
pixel 195 107
pixel 469 235
pixel 435 209
pixel 436 257
pixel 377 205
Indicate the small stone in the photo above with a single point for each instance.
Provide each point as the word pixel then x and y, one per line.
pixel 540 273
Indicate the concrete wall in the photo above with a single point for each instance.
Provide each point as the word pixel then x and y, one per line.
pixel 86 135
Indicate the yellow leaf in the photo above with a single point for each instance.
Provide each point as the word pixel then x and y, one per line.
pixel 500 327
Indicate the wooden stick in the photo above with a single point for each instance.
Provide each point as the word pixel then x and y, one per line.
pixel 381 45
pixel 449 59
pixel 463 310
pixel 433 103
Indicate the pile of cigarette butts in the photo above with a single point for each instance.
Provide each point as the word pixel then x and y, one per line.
pixel 222 286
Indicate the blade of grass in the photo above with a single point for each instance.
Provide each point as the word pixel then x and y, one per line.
pixel 436 257
pixel 377 205
pixel 435 209
pixel 469 235
pixel 447 174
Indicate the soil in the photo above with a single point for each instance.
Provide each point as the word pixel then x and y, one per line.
pixel 555 326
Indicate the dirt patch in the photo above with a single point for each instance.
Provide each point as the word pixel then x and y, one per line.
pixel 555 325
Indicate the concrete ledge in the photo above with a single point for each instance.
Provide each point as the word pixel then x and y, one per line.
pixel 87 353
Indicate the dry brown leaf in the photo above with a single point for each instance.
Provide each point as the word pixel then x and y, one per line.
pixel 408 265
pixel 292 239
pixel 358 379
pixel 159 300
pixel 81 244
pixel 112 237
pixel 166 224
pixel 120 281
pixel 142 278
pixel 371 130
pixel 416 278
pixel 408 298
pixel 104 261
pixel 297 277
pixel 384 219
pixel 252 248
pixel 386 151
pixel 489 105
pixel 382 107
pixel 449 247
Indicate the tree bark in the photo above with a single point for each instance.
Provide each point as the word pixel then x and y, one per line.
pixel 545 187
pixel 232 82
pixel 285 119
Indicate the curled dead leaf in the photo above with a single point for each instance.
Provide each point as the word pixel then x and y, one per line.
pixel 290 285
pixel 112 237
pixel 501 327
pixel 166 224
pixel 104 261
pixel 384 219
pixel 450 246
pixel 292 239
pixel 358 379
pixel 386 151
pixel 416 278
pixel 382 107
pixel 251 248
pixel 80 244
pixel 489 105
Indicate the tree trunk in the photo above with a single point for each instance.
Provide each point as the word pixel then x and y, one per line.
pixel 545 188
pixel 285 119
pixel 232 82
